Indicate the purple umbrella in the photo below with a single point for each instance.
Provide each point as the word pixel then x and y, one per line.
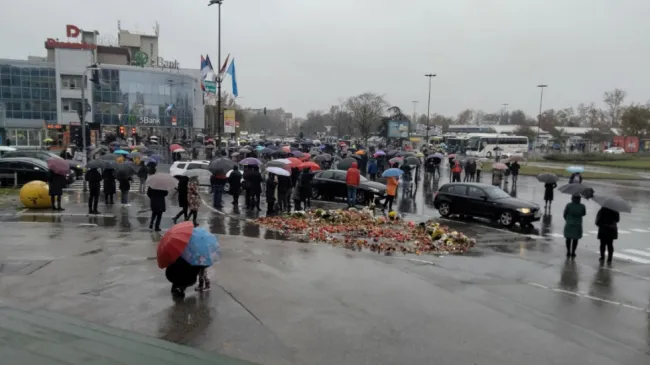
pixel 156 157
pixel 250 161
pixel 296 153
pixel 58 166
pixel 380 153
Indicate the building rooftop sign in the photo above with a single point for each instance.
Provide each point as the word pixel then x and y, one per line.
pixel 71 31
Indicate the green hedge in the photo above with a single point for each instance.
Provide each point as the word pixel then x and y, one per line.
pixel 587 157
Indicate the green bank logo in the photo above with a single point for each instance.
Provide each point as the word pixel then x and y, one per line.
pixel 141 58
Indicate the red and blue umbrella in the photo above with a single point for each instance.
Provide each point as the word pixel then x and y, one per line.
pixel 203 248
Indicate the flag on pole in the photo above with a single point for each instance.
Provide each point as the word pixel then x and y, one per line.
pixel 231 72
pixel 206 69
pixel 223 67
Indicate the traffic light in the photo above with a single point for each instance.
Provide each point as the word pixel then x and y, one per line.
pixel 94 73
pixel 121 131
pixel 133 133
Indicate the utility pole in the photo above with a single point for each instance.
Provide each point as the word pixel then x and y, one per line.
pixel 218 118
pixel 539 117
pixel 414 122
pixel 430 76
pixel 82 114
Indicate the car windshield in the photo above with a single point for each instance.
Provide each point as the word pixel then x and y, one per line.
pixel 496 193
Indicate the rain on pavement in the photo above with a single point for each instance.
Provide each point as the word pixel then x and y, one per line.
pixel 513 299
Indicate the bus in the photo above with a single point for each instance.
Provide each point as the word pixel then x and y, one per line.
pixel 485 145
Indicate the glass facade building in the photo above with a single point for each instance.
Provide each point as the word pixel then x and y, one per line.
pixel 143 98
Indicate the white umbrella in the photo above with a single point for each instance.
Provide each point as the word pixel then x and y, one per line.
pixel 283 160
pixel 162 182
pixel 278 171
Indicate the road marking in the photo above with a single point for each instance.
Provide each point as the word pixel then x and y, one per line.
pixel 590 297
pixel 535 237
pixel 593 232
pixel 631 258
pixel 623 232
pixel 538 285
pixel 639 230
pixel 47 214
pixel 637 252
pixel 556 235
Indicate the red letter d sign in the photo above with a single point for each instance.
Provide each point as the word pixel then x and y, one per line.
pixel 72 31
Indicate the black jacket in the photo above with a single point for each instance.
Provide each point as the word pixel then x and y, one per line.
pixel 142 172
pixel 270 188
pixel 125 184
pixel 284 184
pixel 109 181
pixel 182 190
pixel 181 273
pixel 254 181
pixel 57 183
pixel 548 191
pixel 606 220
pixel 94 179
pixel 514 167
pixel 157 200
pixel 235 181
pixel 305 185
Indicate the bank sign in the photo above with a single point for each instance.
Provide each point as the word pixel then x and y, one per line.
pixel 71 31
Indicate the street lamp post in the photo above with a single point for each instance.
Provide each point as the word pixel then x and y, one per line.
pixel 430 76
pixel 539 117
pixel 414 122
pixel 82 118
pixel 218 121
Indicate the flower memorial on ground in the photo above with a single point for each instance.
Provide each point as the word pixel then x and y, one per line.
pixel 357 230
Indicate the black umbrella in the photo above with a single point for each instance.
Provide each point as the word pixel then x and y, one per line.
pixel 404 154
pixel 125 170
pixel 266 151
pixel 221 166
pixel 321 158
pixel 346 163
pixel 109 157
pixel 614 202
pixel 412 161
pixel 98 164
pixel 279 154
pixel 209 146
pixel 497 148
pixel 392 153
pixel 245 150
pixel 356 157
pixel 547 178
pixel 276 164
pixel 577 189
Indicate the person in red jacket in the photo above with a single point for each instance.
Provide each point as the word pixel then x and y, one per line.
pixel 352 179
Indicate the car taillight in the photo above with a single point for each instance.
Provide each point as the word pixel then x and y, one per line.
pixel 435 195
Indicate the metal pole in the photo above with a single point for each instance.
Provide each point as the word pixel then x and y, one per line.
pixel 219 81
pixel 84 155
pixel 539 118
pixel 430 76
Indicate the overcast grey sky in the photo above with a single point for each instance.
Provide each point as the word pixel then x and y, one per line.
pixel 307 54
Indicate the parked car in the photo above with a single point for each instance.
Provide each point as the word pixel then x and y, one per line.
pixel 179 168
pixel 331 184
pixel 615 150
pixel 44 155
pixel 26 169
pixel 486 201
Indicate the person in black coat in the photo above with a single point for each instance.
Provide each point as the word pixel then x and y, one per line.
pixel 182 275
pixel 305 188
pixel 143 174
pixel 56 184
pixel 182 197
pixel 108 175
pixel 157 204
pixel 514 169
pixel 284 193
pixel 271 184
pixel 235 185
pixel 94 179
pixel 125 186
pixel 548 194
pixel 253 186
pixel 606 220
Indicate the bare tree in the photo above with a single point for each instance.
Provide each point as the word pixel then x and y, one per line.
pixel 366 111
pixel 466 116
pixel 614 100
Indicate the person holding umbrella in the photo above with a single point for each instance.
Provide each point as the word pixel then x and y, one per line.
pixel 142 175
pixel 514 169
pixel 56 180
pixel 94 179
pixel 157 205
pixel 607 219
pixel 372 169
pixel 253 179
pixel 573 213
pixel 391 176
pixel 305 187
pixel 479 167
pixel 125 186
pixel 108 175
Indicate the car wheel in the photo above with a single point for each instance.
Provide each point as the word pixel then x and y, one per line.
pixel 488 154
pixel 226 188
pixel 361 197
pixel 444 209
pixel 314 193
pixel 506 219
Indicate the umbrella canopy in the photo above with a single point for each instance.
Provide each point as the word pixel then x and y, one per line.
pixel 356 157
pixel 150 162
pixel 58 166
pixel 412 161
pixel 392 153
pixel 405 154
pixel 439 155
pixel 346 163
pixel 133 155
pixel 266 151
pixel 296 153
pixel 175 147
pixel 98 164
pixel 276 163
pixel 393 172
pixel 156 157
pixel 209 146
pixel 259 148
pixel 516 158
pixel 279 154
pixel 173 243
pixel 162 182
pixel 197 145
pixel 396 160
pixel 321 158
pixel 419 154
pixel 286 149
pixel 305 156
pixel 379 153
pixel 48 140
pixel 125 170
pixel 577 189
pixel 283 161
pixel 197 173
pixel 245 150
pixel 109 157
pixel 360 152
pixel 141 149
pixel 179 150
pixel 114 143
pixel 614 202
pixel 121 152
pixel 453 155
pixel 499 166
pixel 309 165
pixel 294 162
pixel 574 169
pixel 203 248
pixel 221 166
pixel 278 171
pixel 250 161
pixel 547 178
pixel 235 154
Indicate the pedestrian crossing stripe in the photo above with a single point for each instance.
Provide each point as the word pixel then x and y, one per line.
pixel 637 252
pixel 640 230
pixel 593 232
pixel 632 258
pixel 620 231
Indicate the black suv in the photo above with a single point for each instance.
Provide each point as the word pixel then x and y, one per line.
pixel 331 184
pixel 486 201
pixel 43 155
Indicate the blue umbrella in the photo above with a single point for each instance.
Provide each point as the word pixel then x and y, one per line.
pixel 573 169
pixel 393 172
pixel 156 157
pixel 203 248
pixel 259 148
pixel 121 152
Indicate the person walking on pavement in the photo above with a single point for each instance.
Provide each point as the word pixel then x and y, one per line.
pixel 108 175
pixel 372 169
pixel 548 195
pixel 456 170
pixel 295 195
pixel 573 213
pixel 217 182
pixel 143 173
pixel 157 205
pixel 479 167
pixel 284 193
pixel 235 185
pixel 497 177
pixel 181 190
pixel 514 169
pixel 352 180
pixel 607 220
pixel 305 188
pixel 193 199
pixel 391 192
pixel 94 179
pixel 271 183
pixel 125 186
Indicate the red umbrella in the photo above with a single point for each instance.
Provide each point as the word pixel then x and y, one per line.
pixel 58 166
pixel 311 165
pixel 175 147
pixel 294 162
pixel 286 148
pixel 173 243
pixel 396 160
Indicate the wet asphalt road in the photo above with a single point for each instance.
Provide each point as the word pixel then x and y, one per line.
pixel 514 299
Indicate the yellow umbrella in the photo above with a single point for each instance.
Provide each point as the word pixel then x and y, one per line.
pixel 46 140
pixel 419 154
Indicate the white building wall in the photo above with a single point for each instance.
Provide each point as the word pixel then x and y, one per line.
pixel 71 62
pixel 199 109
